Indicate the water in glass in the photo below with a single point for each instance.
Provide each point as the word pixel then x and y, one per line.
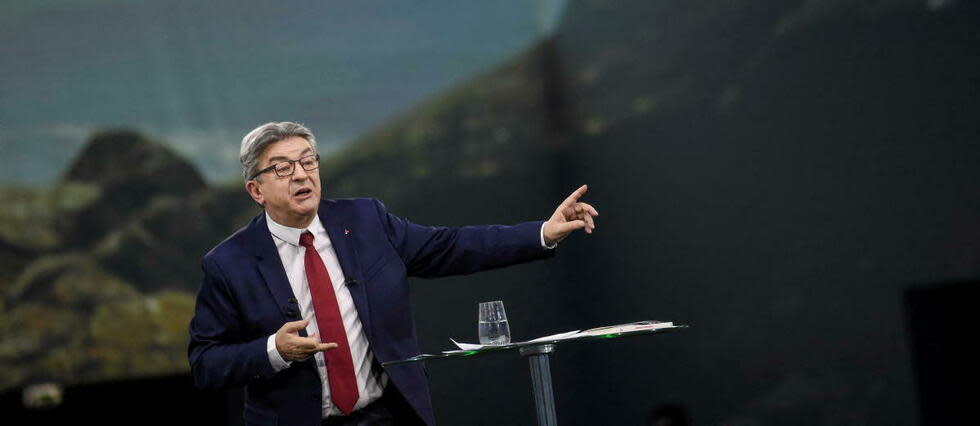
pixel 494 332
pixel 493 327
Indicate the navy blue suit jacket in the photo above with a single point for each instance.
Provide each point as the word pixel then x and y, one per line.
pixel 245 297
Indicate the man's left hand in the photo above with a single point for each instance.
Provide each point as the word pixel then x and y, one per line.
pixel 570 215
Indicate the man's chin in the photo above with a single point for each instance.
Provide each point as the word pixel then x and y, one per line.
pixel 308 205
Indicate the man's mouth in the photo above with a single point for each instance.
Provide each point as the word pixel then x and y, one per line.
pixel 302 192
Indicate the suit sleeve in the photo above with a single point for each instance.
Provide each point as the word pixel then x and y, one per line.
pixel 218 356
pixel 435 251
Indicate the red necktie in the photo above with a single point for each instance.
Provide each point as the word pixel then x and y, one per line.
pixel 340 365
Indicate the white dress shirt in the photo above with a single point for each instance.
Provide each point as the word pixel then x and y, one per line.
pixel 370 384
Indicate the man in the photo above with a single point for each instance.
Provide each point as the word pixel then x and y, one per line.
pixel 304 304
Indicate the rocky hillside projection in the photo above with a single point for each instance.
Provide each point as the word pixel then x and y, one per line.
pixel 99 271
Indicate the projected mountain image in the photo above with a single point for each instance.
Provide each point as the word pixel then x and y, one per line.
pixel 101 269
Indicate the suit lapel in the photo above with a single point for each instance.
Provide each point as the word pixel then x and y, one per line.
pixel 270 266
pixel 336 223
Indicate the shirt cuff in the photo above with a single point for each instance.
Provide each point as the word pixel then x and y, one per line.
pixel 275 358
pixel 543 245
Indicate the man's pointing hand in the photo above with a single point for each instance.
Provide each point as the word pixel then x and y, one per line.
pixel 570 215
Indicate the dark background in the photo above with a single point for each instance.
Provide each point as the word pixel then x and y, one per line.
pixel 795 180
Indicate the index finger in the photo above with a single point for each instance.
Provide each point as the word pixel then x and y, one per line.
pixel 325 347
pixel 575 196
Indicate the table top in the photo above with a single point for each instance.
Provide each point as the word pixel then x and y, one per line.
pixel 519 345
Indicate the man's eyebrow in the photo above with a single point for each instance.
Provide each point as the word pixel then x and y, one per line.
pixel 281 158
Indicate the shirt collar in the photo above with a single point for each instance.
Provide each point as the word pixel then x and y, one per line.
pixel 291 235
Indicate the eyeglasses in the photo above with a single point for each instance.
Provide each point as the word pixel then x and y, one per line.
pixel 288 167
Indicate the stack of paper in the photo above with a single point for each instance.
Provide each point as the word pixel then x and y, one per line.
pixel 599 331
pixel 623 328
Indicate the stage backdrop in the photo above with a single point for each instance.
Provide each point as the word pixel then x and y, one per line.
pixel 773 173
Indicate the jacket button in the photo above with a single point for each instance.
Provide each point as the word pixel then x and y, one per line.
pixel 290 313
pixel 291 300
pixel 315 397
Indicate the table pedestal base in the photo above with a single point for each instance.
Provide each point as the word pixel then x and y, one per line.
pixel 544 398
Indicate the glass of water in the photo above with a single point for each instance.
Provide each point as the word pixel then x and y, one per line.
pixel 493 327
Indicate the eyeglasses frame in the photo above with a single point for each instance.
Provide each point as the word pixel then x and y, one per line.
pixel 293 164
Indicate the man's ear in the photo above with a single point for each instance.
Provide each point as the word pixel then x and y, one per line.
pixel 253 190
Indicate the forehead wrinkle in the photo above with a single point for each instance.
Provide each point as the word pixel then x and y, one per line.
pixel 278 157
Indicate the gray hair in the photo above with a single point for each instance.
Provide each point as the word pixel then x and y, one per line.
pixel 258 139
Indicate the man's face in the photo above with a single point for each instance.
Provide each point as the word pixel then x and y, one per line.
pixel 289 200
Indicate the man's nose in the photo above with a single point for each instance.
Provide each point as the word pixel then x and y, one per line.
pixel 299 173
